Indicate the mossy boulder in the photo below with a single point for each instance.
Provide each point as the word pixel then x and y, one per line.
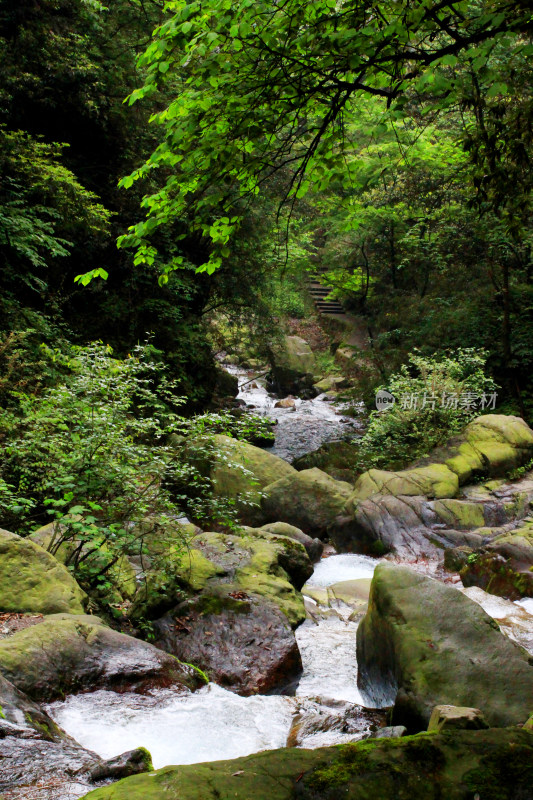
pixel 267 574
pixel 338 459
pixel 460 514
pixel 259 563
pixel 67 653
pixel 33 580
pixel 505 565
pixel 433 480
pixel 331 383
pixel 239 626
pixel 293 365
pixel 314 547
pixel 309 500
pixel 423 644
pixel 490 445
pixel 505 442
pixel 169 574
pixel 240 469
pixel 293 353
pixel 492 764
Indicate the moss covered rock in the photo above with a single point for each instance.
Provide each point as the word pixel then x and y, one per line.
pixel 505 565
pixel 240 469
pixel 294 353
pixel 238 627
pixel 338 459
pixel 493 764
pixel 314 547
pixel 255 561
pixel 460 514
pixel 67 653
pixel 490 445
pixel 310 500
pixel 433 480
pixel 33 580
pixel 423 644
pixel 293 365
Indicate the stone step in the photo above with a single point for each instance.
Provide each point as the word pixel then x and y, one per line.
pixel 323 303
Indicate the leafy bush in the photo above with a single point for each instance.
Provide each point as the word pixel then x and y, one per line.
pixel 435 397
pixel 94 454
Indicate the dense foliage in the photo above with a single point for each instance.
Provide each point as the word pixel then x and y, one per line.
pixel 399 133
pixel 386 146
pixel 95 454
pixel 434 398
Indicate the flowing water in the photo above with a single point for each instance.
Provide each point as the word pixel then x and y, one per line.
pixel 302 428
pixel 213 723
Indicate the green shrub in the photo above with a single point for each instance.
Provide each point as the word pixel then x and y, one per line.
pixel 445 387
pixel 94 455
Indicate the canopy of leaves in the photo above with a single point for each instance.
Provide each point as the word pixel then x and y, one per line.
pixel 261 87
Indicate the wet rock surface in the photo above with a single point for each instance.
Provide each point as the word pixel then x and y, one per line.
pixel 238 625
pixel 241 644
pixel 38 761
pixel 67 653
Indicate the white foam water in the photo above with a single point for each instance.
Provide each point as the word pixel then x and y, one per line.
pixel 212 723
pixel 208 725
pixel 345 567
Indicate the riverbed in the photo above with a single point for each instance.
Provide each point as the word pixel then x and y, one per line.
pixel 181 727
pixel 213 723
pixel 302 428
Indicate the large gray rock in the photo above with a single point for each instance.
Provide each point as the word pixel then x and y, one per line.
pixel 66 653
pixel 239 624
pixel 310 500
pixel 423 644
pixel 241 642
pixel 407 526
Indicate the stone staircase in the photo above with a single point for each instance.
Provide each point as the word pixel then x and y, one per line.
pixel 323 304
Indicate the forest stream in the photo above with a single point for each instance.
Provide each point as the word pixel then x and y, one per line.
pixel 325 707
